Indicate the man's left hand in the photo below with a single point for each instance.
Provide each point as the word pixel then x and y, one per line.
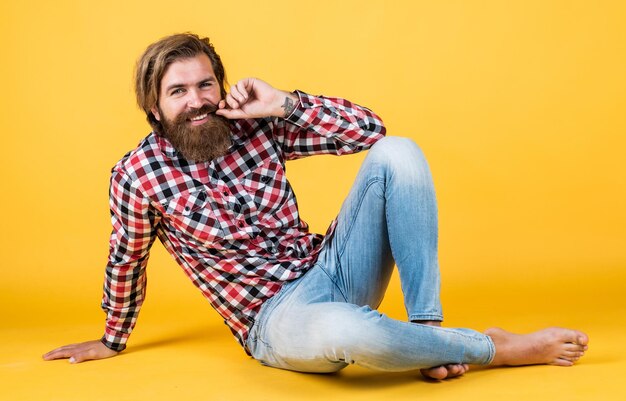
pixel 254 98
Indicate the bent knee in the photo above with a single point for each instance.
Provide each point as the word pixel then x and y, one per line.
pixel 398 153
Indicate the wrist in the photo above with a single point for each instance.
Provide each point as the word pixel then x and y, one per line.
pixel 117 347
pixel 287 103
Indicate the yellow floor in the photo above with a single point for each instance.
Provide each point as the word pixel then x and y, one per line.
pixel 181 351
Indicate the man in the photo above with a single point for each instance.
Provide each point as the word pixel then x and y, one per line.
pixel 209 182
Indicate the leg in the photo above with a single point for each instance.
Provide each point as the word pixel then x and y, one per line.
pixel 389 214
pixel 392 209
pixel 319 323
pixel 294 333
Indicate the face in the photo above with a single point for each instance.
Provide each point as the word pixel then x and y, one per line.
pixel 189 94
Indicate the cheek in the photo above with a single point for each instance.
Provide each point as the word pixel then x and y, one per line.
pixel 215 96
pixel 171 110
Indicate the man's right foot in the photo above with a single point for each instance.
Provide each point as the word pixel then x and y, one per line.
pixel 552 346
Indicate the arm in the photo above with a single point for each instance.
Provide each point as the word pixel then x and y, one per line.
pixel 125 281
pixel 325 125
pixel 309 124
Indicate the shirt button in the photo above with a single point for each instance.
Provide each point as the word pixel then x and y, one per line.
pixel 240 224
pixel 187 208
pixel 225 193
pixel 265 179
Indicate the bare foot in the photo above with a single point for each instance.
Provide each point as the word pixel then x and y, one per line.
pixel 443 371
pixel 552 346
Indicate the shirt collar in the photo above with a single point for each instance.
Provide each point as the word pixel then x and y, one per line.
pixel 165 146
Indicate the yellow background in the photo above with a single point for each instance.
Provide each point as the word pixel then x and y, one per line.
pixel 520 107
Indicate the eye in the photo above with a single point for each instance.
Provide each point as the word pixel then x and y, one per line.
pixel 177 91
pixel 206 84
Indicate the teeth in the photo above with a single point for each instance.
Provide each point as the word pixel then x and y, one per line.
pixel 199 117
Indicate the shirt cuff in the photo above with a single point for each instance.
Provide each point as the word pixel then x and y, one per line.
pixel 303 111
pixel 115 343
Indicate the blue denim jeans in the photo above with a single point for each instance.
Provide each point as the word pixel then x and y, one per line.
pixel 326 319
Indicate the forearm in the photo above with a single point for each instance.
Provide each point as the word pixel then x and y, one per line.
pixel 123 295
pixel 325 125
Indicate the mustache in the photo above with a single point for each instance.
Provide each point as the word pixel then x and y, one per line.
pixel 208 108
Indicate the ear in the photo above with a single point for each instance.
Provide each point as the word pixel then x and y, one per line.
pixel 155 112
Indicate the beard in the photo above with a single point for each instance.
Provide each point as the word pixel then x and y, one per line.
pixel 201 143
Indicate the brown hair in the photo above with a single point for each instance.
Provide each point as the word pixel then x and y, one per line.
pixel 153 63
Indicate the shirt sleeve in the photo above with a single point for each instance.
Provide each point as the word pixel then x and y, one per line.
pixel 134 232
pixel 326 125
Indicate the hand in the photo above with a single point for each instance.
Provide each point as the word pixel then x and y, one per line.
pixel 81 352
pixel 253 98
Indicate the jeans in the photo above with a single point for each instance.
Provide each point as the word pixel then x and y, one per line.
pixel 326 319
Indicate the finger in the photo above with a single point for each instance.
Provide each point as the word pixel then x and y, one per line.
pixel 239 92
pixel 246 87
pixel 230 113
pixel 232 102
pixel 57 354
pixel 80 357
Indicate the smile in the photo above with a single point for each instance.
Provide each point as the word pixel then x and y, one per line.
pixel 200 117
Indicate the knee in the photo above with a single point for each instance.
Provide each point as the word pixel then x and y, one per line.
pixel 401 155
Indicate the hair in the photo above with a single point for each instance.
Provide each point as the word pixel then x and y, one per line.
pixel 153 63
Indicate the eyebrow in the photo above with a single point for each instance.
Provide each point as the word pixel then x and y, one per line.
pixel 180 85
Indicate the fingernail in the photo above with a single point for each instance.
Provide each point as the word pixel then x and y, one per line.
pixel 72 360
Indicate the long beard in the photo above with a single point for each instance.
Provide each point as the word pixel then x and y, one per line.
pixel 200 143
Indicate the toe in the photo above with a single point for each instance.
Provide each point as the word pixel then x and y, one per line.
pixel 437 373
pixel 582 338
pixel 572 354
pixel 572 347
pixel 453 370
pixel 562 362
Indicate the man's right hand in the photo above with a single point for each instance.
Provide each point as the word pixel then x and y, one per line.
pixel 81 352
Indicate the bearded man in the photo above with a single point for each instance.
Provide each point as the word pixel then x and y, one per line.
pixel 209 181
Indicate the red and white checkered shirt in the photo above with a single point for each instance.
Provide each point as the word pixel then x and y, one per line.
pixel 232 224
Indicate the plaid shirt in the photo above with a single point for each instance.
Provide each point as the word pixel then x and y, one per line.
pixel 232 223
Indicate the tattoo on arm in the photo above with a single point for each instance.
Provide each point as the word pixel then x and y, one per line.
pixel 289 105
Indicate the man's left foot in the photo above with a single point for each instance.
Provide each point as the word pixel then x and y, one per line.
pixel 444 371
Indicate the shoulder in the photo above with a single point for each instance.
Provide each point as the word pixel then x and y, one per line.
pixel 146 155
pixel 138 167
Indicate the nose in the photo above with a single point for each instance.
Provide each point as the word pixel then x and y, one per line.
pixel 194 100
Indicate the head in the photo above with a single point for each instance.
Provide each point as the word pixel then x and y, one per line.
pixel 178 80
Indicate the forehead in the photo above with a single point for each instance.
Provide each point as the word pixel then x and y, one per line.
pixel 188 71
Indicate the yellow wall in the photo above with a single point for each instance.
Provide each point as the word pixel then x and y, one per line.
pixel 519 106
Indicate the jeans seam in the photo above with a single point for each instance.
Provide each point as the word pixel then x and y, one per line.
pixel 341 250
pixel 334 281
pixel 358 209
